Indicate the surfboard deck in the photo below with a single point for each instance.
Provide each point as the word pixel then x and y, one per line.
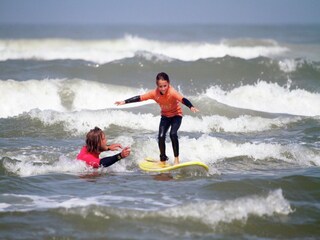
pixel 152 165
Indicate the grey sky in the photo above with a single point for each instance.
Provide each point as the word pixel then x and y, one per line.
pixel 160 12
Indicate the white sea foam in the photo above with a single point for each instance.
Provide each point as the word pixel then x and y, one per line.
pixel 26 202
pixel 269 97
pixel 74 103
pixel 288 65
pixel 212 150
pixel 79 122
pixel 17 97
pixel 63 95
pixel 213 212
pixel 33 165
pixel 207 212
pixel 241 124
pixel 33 160
pixel 58 94
pixel 103 51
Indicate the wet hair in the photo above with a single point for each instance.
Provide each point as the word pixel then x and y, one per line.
pixel 93 140
pixel 162 76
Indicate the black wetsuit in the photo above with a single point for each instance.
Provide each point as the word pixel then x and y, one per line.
pixel 166 122
pixel 108 161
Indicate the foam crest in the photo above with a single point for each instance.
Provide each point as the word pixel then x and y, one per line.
pixel 103 51
pixel 79 122
pixel 213 150
pixel 17 97
pixel 26 167
pixel 213 212
pixel 241 124
pixel 59 95
pixel 35 202
pixel 206 149
pixel 269 97
pixel 289 65
pixel 209 213
pixel 82 205
pixel 33 161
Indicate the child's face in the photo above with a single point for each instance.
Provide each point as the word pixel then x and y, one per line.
pixel 163 86
pixel 103 140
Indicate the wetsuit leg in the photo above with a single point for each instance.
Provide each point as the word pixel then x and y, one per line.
pixel 175 125
pixel 163 129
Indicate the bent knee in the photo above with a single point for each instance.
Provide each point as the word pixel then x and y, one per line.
pixel 162 137
pixel 173 135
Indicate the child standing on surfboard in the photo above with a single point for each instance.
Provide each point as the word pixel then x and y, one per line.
pixel 171 113
pixel 96 143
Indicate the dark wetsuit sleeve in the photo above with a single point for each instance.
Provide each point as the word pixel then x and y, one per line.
pixel 133 99
pixel 187 102
pixel 108 161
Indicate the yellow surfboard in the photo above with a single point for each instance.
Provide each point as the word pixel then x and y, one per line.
pixel 152 165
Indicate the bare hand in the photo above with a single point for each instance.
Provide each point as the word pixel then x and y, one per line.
pixel 194 110
pixel 114 147
pixel 125 152
pixel 119 103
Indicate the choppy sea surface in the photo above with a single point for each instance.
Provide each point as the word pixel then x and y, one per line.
pixel 258 130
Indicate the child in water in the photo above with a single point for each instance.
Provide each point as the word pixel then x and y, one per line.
pixel 96 143
pixel 171 113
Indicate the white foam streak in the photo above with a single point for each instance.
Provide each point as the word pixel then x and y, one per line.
pixel 288 65
pixel 210 213
pixel 25 202
pixel 25 168
pixel 241 124
pixel 213 212
pixel 34 161
pixel 63 95
pixel 269 97
pixel 212 150
pixel 79 122
pixel 103 51
pixel 17 97
pixel 206 149
pixel 59 95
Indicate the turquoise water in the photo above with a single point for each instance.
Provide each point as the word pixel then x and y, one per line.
pixel 258 129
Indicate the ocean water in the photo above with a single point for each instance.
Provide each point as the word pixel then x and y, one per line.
pixel 258 130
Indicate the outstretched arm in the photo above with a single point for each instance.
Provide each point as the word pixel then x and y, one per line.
pixel 189 105
pixel 112 147
pixel 129 100
pixel 108 161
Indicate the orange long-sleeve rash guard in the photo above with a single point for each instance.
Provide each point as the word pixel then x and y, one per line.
pixel 168 102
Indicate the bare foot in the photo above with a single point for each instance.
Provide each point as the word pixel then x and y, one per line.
pixel 163 164
pixel 176 161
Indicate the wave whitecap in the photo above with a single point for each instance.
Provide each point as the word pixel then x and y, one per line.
pixel 103 51
pixel 58 94
pixel 209 213
pixel 63 95
pixel 269 97
pixel 212 150
pixel 79 122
